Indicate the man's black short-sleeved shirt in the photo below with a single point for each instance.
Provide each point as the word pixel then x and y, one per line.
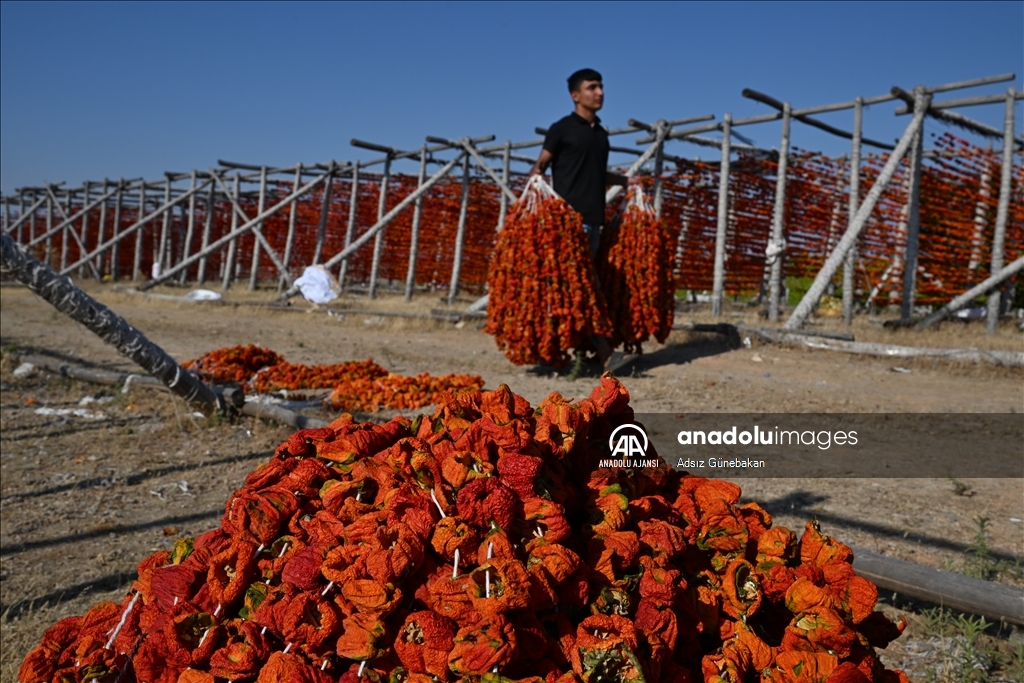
pixel 579 164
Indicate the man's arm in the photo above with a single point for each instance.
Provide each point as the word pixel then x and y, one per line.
pixel 543 161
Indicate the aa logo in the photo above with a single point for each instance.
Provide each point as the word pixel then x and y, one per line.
pixel 628 441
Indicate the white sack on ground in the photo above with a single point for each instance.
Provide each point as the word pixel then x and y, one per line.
pixel 317 285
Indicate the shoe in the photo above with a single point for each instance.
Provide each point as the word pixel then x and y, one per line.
pixel 620 360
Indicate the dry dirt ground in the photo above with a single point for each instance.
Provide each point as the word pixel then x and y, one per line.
pixel 85 497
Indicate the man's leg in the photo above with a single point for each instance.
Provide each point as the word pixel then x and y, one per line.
pixel 602 344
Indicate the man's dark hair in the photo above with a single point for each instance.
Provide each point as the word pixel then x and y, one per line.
pixel 576 80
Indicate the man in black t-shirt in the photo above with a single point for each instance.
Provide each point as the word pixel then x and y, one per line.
pixel 576 148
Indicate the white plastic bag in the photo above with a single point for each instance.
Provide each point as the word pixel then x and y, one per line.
pixel 317 285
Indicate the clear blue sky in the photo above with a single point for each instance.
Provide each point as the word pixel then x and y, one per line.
pixel 91 90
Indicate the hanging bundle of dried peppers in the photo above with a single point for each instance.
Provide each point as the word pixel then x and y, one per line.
pixel 635 267
pixel 544 300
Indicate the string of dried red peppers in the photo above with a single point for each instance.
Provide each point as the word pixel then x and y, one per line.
pixel 482 544
pixel 357 385
pixel 634 268
pixel 544 300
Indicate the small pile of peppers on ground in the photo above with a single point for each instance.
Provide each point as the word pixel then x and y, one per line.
pixel 357 385
pixel 482 544
pixel 543 293
pixel 634 267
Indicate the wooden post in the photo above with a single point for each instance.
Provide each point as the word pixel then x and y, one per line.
pixel 1002 213
pixel 659 167
pixel 254 272
pixel 777 244
pixel 48 250
pixel 378 240
pixel 84 241
pixel 163 254
pixel 21 215
pixel 723 220
pixel 190 226
pixel 254 225
pixel 65 231
pixel 460 233
pixel 838 255
pixel 980 216
pixel 229 262
pixel 67 228
pixel 235 233
pixel 137 264
pixel 103 226
pixel 390 216
pixel 913 224
pixel 32 219
pixel 33 213
pixel 116 228
pixel 414 239
pixel 849 271
pixel 211 203
pixel 350 229
pixel 290 240
pixel 506 160
pixel 321 230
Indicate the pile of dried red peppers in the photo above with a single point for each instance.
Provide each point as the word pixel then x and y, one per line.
pixel 357 385
pixel 482 544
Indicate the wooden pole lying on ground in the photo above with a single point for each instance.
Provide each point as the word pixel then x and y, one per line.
pixel 838 255
pixel 777 244
pixel 913 223
pixel 112 328
pixel 851 255
pixel 963 299
pixel 718 283
pixel 414 238
pixel 987 598
pixel 1002 213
